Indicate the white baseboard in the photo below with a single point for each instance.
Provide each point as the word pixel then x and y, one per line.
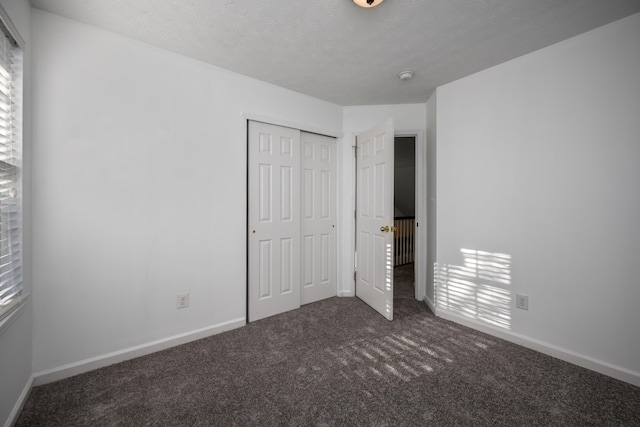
pixel 22 399
pixel 587 362
pixel 430 304
pixel 346 294
pixel 71 369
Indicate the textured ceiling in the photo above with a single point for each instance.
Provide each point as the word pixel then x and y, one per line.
pixel 339 52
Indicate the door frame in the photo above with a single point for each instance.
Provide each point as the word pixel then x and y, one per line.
pixel 420 249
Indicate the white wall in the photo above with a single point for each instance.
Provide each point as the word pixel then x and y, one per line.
pixel 16 332
pixel 539 159
pixel 406 117
pixel 139 190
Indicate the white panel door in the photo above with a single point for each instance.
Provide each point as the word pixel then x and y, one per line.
pixel 374 218
pixel 274 220
pixel 318 269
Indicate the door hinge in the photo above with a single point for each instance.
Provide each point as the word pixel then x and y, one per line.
pixel 354 275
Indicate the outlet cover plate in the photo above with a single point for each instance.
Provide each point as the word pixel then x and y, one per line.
pixel 182 300
pixel 522 302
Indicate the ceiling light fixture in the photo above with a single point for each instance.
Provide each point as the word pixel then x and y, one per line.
pixel 405 75
pixel 367 3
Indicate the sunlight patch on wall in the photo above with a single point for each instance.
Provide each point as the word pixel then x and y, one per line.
pixel 477 289
pixel 389 279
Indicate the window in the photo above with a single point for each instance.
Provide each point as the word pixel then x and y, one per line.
pixel 10 167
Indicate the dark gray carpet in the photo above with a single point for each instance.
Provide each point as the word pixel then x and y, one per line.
pixel 337 362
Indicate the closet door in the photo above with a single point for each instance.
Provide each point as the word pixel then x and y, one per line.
pixel 318 217
pixel 273 220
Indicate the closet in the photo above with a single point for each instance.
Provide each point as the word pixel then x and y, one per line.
pixel 291 219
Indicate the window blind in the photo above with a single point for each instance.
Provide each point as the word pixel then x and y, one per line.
pixel 10 172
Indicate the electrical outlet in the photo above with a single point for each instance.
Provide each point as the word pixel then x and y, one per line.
pixel 182 300
pixel 522 302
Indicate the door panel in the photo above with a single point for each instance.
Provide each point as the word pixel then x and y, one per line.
pixel 318 218
pixel 274 220
pixel 374 219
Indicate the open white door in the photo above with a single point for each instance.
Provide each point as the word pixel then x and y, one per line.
pixel 274 220
pixel 374 218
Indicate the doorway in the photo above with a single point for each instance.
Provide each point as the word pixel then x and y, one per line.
pixel 404 216
pixel 375 230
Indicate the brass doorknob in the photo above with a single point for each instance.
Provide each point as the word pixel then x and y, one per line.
pixel 384 229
